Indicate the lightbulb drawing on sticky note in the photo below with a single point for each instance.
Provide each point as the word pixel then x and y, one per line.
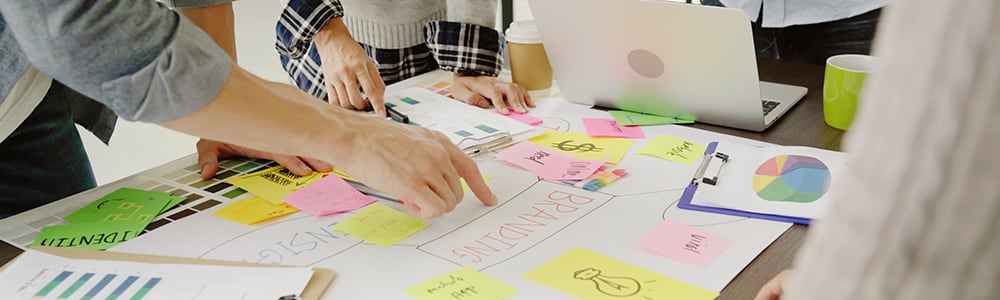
pixel 591 275
pixel 619 286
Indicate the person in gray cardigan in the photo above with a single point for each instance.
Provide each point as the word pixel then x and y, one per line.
pixel 919 215
pixel 145 62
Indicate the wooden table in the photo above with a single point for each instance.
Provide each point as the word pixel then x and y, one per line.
pixel 802 126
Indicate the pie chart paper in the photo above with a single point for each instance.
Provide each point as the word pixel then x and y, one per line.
pixel 791 178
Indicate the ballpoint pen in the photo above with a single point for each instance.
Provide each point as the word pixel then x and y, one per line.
pixel 393 114
pixel 396 115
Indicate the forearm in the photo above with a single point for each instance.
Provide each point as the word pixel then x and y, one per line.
pixel 274 117
pixel 333 33
pixel 218 22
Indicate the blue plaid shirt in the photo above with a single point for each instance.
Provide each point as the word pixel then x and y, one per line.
pixel 451 46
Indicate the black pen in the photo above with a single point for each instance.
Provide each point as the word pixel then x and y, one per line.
pixel 396 115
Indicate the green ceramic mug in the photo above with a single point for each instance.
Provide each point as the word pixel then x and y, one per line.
pixel 842 82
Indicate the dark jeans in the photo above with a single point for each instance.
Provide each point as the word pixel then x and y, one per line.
pixel 43 160
pixel 814 43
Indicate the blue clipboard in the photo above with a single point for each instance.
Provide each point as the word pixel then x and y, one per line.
pixel 688 195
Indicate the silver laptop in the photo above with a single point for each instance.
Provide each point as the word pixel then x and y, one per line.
pixel 669 59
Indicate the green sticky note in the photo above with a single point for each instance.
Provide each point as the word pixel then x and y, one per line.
pixel 464 283
pixel 124 204
pixel 380 224
pixel 628 118
pixel 673 149
pixel 89 235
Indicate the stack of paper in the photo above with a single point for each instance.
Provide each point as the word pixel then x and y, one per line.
pixel 111 220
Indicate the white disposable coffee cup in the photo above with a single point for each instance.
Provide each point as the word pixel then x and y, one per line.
pixel 529 66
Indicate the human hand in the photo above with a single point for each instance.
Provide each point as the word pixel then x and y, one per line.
pixel 483 90
pixel 346 67
pixel 209 153
pixel 419 166
pixel 772 290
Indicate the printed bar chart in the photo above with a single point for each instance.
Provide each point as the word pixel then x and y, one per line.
pixel 122 287
pixel 76 286
pixel 80 279
pixel 52 285
pixel 100 286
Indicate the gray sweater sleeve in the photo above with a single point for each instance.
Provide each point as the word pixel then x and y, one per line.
pixel 138 57
pixel 479 12
pixel 193 3
pixel 919 213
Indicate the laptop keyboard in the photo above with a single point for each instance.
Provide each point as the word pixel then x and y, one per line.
pixel 769 105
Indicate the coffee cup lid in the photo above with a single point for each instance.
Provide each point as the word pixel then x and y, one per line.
pixel 523 32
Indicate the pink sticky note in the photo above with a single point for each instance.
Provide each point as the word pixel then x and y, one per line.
pixel 569 169
pixel 327 196
pixel 610 128
pixel 530 156
pixel 523 118
pixel 684 243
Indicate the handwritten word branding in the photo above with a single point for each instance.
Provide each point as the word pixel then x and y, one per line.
pixel 530 218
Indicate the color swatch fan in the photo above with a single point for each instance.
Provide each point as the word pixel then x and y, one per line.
pixel 791 178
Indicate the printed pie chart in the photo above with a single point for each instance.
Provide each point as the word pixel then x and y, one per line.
pixel 791 178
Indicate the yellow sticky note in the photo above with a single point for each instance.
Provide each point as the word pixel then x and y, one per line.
pixel 673 149
pixel 584 146
pixel 465 186
pixel 464 283
pixel 590 275
pixel 274 183
pixel 381 225
pixel 253 210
